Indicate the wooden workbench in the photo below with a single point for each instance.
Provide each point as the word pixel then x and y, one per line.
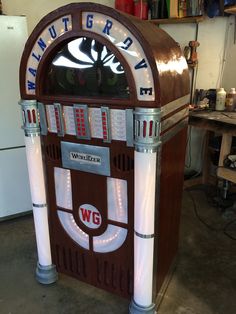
pixel 223 123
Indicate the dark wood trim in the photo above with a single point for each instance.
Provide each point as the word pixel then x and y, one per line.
pixel 170 196
pixel 69 100
pixel 76 20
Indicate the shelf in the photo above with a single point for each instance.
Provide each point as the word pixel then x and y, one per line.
pixel 225 149
pixel 227 174
pixel 189 19
pixel 230 10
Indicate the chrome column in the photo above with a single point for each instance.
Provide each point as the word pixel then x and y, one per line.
pixel 147 124
pixel 45 271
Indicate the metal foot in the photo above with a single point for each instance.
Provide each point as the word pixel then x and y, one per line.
pixel 46 274
pixel 134 308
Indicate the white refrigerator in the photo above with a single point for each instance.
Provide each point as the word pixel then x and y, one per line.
pixel 14 184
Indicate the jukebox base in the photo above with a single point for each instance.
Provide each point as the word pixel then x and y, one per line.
pixel 46 275
pixel 137 309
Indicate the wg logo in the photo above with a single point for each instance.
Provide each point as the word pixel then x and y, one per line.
pixel 90 216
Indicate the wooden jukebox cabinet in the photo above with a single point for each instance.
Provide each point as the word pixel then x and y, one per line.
pixel 104 103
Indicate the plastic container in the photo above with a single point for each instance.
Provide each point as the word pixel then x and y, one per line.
pixel 141 9
pixel 220 99
pixel 126 6
pixel 230 104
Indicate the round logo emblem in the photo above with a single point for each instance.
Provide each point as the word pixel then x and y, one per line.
pixel 90 216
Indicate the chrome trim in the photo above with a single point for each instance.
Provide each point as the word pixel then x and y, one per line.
pixel 46 275
pixel 29 134
pixel 172 132
pixel 175 104
pixel 39 205
pixel 144 236
pixel 146 150
pixel 42 119
pixel 129 127
pixel 169 122
pixel 87 158
pixel 27 102
pixel 135 308
pixel 147 129
pixel 29 110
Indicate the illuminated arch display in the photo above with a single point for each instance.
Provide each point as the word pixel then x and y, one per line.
pixel 149 71
pixel 109 28
pixel 105 111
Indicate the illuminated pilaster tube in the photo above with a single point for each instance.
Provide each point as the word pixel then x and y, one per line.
pixel 45 270
pixel 146 144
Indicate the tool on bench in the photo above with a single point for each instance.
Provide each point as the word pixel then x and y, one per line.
pixel 190 53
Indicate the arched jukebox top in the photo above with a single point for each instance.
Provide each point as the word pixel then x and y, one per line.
pixel 91 53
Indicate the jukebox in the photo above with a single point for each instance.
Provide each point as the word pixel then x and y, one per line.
pixel 105 110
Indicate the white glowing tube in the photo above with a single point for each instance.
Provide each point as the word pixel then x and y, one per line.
pixel 144 217
pixel 38 195
pixel 145 184
pixel 143 270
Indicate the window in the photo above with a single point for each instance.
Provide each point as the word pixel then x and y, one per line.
pixel 85 67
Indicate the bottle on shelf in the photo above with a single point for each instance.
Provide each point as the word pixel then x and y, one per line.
pixel 141 9
pixel 220 99
pixel 126 6
pixel 182 8
pixel 230 104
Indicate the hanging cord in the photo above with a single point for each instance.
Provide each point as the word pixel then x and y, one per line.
pixel 226 232
pixel 188 161
pixel 198 216
pixel 210 227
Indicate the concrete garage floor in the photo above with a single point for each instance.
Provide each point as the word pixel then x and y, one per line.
pixel 204 281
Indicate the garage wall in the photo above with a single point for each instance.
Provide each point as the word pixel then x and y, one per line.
pixel 34 10
pixel 229 73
